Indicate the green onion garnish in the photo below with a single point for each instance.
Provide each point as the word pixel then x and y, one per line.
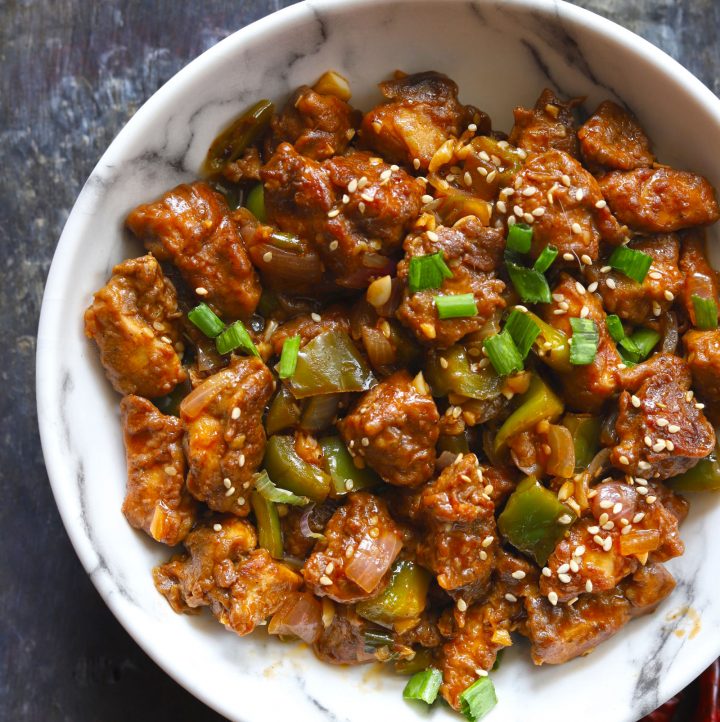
pixel 427 272
pixel 280 496
pixel 234 337
pixel 706 313
pixel 546 258
pixel 378 638
pixel 205 319
pixel 523 330
pixel 289 357
pixel 634 264
pixel 478 699
pixel 503 353
pixel 615 327
pixel 584 341
pixel 424 685
pixel 460 306
pixel 530 284
pixel 519 238
pixel 637 348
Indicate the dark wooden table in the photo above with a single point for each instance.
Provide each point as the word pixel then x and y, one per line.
pixel 72 73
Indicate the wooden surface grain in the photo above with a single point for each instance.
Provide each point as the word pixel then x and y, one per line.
pixel 72 73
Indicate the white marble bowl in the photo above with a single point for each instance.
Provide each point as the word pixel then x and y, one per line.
pixel 502 53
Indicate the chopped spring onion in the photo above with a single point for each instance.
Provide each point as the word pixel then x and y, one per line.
pixel 615 327
pixel 427 272
pixel 289 357
pixel 546 258
pixel 503 354
pixel 530 284
pixel 461 305
pixel 478 699
pixel 637 347
pixel 634 264
pixel 205 319
pixel 375 638
pixel 523 330
pixel 234 337
pixel 280 496
pixel 706 312
pixel 519 238
pixel 584 341
pixel 424 685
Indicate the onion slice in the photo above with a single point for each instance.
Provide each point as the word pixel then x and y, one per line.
pixel 372 559
pixel 301 616
pixel 193 404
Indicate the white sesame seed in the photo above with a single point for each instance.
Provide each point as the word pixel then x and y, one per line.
pixel 511 597
pixel 639 480
pixel 598 539
pixel 669 445
pixel 501 206
pixel 539 212
pixel 588 586
pixel 617 507
pixel 511 220
pixel 574 566
pixel 568 257
pixel 416 163
pixel 487 541
pixel 563 569
pixel 565 180
pixel 483 555
pixel 462 605
pixel 642 490
pixel 593 529
pixel 427 199
pixel 576 228
pixel 482 171
pixel 593 287
pixel 579 551
pixel 600 204
pixel 217 527
pixel 386 174
pixel 673 428
pixel 362 182
pixel 230 491
pixel 170 471
pixel 519 574
pixel 606 504
pixel 607 544
pixel 580 288
pixel 517 210
pixel 201 291
pixel 546 572
pixel 638 517
pixel 656 308
pixel 579 194
pixel 624 460
pixel 235 414
pixel 267 256
pixel 565 578
pixel 484 156
pixel 346 198
pixel 553 598
pixel 432 236
pixel 365 441
pixel 333 213
pixel 651 499
pixel 656 275
pixel 559 311
pixel 529 191
pixel 700 406
pixel 227 483
pixel 611 284
pixel 491 176
pixel 659 445
pixel 325 581
pixel 352 185
pixel 586 259
pixel 584 311
pixel 565 519
pixel 604 517
pixel 669 296
pixel 528 218
pixel 333 245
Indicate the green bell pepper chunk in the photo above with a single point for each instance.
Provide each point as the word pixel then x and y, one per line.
pixel 422 660
pixel 284 413
pixel 230 144
pixel 530 520
pixel 552 346
pixel 341 467
pixel 704 476
pixel 585 430
pixel 268 525
pixel 255 202
pixel 454 444
pixel 330 364
pixel 289 471
pixel 456 376
pixel 538 402
pixel 404 598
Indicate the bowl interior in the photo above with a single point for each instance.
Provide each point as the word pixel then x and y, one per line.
pixel 501 54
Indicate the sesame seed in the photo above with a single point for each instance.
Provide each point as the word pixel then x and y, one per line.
pixel 669 445
pixel 507 191
pixel 669 296
pixel 170 471
pixel 416 163
pixel 367 196
pixel 386 174
pixel 482 171
pixel 568 256
pixel 574 566
pixel 325 581
pixel 333 245
pixel 553 598
pixel 483 555
pixel 362 182
pixel 217 527
pixel 580 288
pixel 559 311
pixel 608 525
pixel 642 490
pixel 365 441
pixel 501 206
pixel 462 605
pixel 511 220
pixel 487 541
pixel 519 574
pixel 700 406
pixel 584 311
pixel 230 491
pixel 546 572
pixel 481 672
pixel 606 504
pixel 528 218
pixel 529 191
pixel 346 198
pixel 565 519
pixel 352 185
pixel 267 256
pixel 565 578
pixel 638 517
pixel 563 569
pixel 640 481
pixel 598 539
pixel 588 586
pixel 517 210
pixel 611 284
pixel 227 483
pixel 604 517
pixel 651 499
pixel 521 153
pixel 361 207
pixel 617 507
pixel 673 428
pixel 624 460
pixel 333 213
pixel 579 551
pixel 484 156
pixel 607 544
pixel 491 176
pixel 488 489
pixel 579 194
pixel 593 529
pixel 235 414
pixel 601 204
pixel 586 259
pixel 539 212
pixel 656 275
pixel 565 180
pixel 427 199
pixel 511 597
pixel 201 291
pixel 656 308
pixel 593 287
pixel 635 401
pixel 432 236
pixel 659 445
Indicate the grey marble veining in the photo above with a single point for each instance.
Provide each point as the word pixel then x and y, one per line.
pixel 73 72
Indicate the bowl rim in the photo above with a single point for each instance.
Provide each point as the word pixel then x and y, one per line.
pixel 49 419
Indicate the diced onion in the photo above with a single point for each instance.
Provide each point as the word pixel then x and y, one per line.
pixel 379 349
pixel 202 395
pixel 287 264
pixel 561 461
pixel 372 559
pixel 301 616
pixel 640 541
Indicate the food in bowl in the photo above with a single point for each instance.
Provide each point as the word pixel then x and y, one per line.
pixel 402 384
